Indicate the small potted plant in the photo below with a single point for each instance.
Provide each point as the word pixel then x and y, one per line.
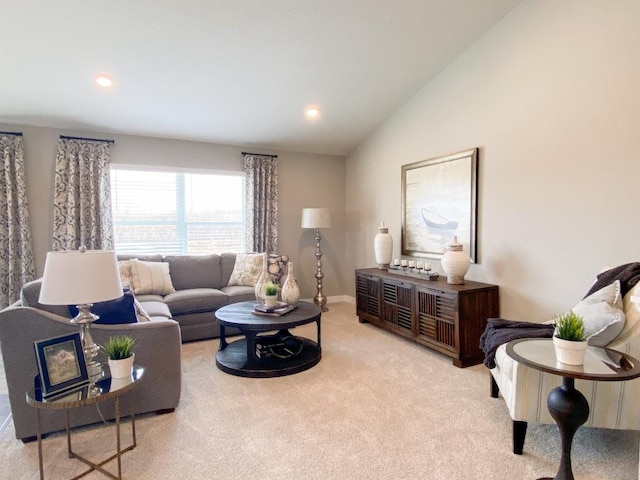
pixel 270 294
pixel 568 339
pixel 119 350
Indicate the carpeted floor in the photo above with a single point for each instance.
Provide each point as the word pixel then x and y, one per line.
pixel 376 407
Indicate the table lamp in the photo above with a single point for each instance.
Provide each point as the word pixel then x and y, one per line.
pixel 317 218
pixel 82 278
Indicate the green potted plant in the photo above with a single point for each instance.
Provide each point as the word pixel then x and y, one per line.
pixel 568 338
pixel 119 350
pixel 270 294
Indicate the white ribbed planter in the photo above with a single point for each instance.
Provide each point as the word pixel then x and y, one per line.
pixel 455 263
pixel 122 368
pixel 569 352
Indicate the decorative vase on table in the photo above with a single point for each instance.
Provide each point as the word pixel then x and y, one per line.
pixel 262 281
pixel 455 263
pixel 383 246
pixel 290 293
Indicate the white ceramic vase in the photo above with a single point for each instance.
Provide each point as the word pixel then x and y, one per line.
pixel 455 263
pixel 383 246
pixel 262 281
pixel 122 368
pixel 290 292
pixel 569 352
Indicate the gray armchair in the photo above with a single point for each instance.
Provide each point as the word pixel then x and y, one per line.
pixel 158 350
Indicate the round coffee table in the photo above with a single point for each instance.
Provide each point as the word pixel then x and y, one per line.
pixel 568 407
pixel 259 355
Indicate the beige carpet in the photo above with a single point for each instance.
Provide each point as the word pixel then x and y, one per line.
pixel 375 407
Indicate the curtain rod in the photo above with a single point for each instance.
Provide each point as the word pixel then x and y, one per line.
pixel 89 139
pixel 261 154
pixel 17 134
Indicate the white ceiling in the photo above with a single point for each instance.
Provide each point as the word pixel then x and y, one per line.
pixel 229 71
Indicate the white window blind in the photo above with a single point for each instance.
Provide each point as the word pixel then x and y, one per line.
pixel 176 212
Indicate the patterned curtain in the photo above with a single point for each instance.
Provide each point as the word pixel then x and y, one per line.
pixel 16 254
pixel 262 203
pixel 82 196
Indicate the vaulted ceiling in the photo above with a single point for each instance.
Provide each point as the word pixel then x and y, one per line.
pixel 230 71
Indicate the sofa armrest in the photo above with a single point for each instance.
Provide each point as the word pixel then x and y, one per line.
pixel 158 350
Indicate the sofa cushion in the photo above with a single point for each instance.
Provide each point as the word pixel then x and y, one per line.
pixel 247 269
pixel 602 314
pixel 113 312
pixel 227 262
pixel 155 308
pixel 195 271
pixel 151 277
pixel 238 293
pixel 195 300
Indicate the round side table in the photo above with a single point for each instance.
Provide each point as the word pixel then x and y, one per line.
pixel 568 407
pixel 103 390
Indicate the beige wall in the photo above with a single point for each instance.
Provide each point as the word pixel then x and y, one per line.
pixel 550 96
pixel 304 180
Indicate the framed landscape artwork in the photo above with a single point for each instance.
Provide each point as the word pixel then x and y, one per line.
pixel 439 198
pixel 61 364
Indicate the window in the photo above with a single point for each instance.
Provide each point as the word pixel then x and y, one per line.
pixel 176 212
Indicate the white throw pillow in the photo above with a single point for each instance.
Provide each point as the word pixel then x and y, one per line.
pixel 151 277
pixel 124 266
pixel 247 269
pixel 602 315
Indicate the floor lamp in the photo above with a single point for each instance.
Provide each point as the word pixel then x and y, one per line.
pixel 317 218
pixel 82 278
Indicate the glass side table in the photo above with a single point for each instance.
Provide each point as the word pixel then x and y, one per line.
pixel 103 390
pixel 568 407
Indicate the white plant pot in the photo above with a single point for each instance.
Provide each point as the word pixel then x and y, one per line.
pixel 270 300
pixel 569 352
pixel 122 368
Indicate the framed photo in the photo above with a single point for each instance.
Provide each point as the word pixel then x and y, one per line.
pixel 439 201
pixel 61 364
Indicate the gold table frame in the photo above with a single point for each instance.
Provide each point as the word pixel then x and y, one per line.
pixel 100 392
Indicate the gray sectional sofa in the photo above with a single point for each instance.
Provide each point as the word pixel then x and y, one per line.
pixel 201 288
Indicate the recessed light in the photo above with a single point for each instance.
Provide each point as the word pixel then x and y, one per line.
pixel 312 113
pixel 103 80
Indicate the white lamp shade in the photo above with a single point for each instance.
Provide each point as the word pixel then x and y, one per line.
pixel 74 278
pixel 316 218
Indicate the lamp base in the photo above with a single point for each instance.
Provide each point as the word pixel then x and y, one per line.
pixel 85 318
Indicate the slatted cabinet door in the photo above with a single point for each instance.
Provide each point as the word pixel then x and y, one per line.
pixel 368 298
pixel 397 306
pixel 437 319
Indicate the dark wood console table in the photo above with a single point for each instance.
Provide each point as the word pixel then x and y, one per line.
pixel 447 318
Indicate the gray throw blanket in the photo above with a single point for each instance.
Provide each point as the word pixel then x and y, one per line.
pixel 628 274
pixel 499 331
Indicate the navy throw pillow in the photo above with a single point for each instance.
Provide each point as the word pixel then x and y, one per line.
pixel 113 312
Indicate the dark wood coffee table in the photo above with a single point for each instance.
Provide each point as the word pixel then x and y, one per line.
pixel 240 357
